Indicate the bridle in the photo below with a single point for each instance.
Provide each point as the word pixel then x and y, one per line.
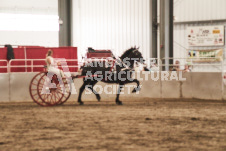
pixel 126 66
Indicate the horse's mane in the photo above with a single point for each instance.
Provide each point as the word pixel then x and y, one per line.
pixel 127 52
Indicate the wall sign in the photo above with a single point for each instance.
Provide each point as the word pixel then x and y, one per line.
pixel 205 55
pixel 205 36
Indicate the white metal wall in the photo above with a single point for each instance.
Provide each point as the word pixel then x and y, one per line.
pixel 181 45
pixel 193 11
pixel 111 24
pixel 196 10
pixel 29 35
pixel 181 41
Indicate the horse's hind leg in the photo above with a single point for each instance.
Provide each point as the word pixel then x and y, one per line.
pixel 82 88
pixel 136 89
pixel 92 83
pixel 138 86
pixel 118 102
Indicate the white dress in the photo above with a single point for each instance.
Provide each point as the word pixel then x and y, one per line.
pixel 52 67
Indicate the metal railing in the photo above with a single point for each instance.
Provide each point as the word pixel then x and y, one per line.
pixel 28 65
pixel 218 64
pixel 4 66
pixel 34 63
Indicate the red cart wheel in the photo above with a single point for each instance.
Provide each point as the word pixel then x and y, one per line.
pixel 67 91
pixel 33 89
pixel 54 95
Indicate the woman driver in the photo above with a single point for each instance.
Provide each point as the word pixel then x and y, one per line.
pixel 52 64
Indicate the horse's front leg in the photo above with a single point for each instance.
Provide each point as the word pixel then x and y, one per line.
pixel 92 83
pixel 118 102
pixel 131 80
pixel 136 89
pixel 82 88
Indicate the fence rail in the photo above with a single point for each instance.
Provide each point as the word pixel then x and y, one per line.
pixel 36 63
pixel 29 65
pixel 4 65
pixel 196 66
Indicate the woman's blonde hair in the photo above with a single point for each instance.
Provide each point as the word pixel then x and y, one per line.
pixel 49 53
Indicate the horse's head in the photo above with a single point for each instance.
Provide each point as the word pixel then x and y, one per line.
pixel 133 54
pixel 137 55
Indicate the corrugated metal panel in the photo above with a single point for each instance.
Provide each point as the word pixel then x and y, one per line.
pixel 43 7
pixel 196 10
pixel 111 24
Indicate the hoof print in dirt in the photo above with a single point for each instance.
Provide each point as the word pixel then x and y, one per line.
pixel 2 143
pixel 148 119
pixel 194 119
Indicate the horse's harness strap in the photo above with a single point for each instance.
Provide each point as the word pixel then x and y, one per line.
pixel 126 67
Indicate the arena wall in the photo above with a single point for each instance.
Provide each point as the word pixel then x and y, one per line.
pixel 207 86
pixel 4 88
pixel 19 86
pixel 223 92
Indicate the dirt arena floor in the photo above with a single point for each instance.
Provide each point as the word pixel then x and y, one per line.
pixel 137 125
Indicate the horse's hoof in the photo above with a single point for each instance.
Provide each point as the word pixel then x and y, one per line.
pixel 81 103
pixel 119 103
pixel 98 98
pixel 136 90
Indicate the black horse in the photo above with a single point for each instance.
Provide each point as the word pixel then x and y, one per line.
pixel 119 72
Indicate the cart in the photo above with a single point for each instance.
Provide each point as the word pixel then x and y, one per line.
pixel 55 95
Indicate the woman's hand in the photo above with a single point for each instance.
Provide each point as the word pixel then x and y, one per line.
pixel 58 63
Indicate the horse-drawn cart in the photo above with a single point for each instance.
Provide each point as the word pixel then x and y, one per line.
pixel 51 90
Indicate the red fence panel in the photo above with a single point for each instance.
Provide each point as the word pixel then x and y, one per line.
pixel 39 53
pixel 3 66
pixel 19 53
pixel 36 52
pixel 3 53
pixel 67 53
pixel 3 61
